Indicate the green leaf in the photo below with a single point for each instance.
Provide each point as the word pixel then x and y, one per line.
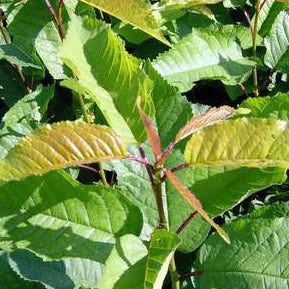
pixel 132 182
pixel 61 145
pixel 277 44
pixel 161 249
pixel 125 266
pixel 14 55
pixel 23 117
pixel 57 217
pixel 10 279
pixel 27 24
pixel 134 266
pixel 66 274
pixel 241 142
pixel 47 45
pixel 111 77
pixel 257 257
pixel 12 87
pixel 135 12
pixel 264 13
pixel 181 4
pixel 184 64
pixel 172 110
pixel 269 107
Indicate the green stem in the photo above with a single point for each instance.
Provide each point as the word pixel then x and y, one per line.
pixel 82 106
pixel 255 34
pixel 157 180
pixel 174 274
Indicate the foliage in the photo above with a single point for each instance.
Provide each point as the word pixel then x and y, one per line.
pixel 144 144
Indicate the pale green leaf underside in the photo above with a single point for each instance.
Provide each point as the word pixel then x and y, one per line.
pixel 277 44
pixel 57 217
pixel 135 12
pixel 61 145
pixel 257 258
pixel 241 142
pixel 203 55
pixel 161 249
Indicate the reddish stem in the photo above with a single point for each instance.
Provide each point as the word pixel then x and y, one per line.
pixel 186 276
pixel 186 222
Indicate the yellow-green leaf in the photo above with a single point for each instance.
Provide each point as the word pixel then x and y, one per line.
pixel 135 12
pixel 61 145
pixel 241 142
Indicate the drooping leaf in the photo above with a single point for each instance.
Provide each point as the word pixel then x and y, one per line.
pixel 61 145
pixel 23 117
pixel 277 44
pixel 111 77
pixel 204 54
pixel 211 117
pixel 269 107
pixel 218 189
pixel 65 274
pixel 56 217
pixel 14 55
pixel 195 203
pixel 161 249
pixel 10 279
pixel 241 142
pixel 135 12
pixel 257 257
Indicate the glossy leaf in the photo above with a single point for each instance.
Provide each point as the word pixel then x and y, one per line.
pixel 257 257
pixel 57 217
pixel 24 116
pixel 111 77
pixel 182 65
pixel 269 107
pixel 61 145
pixel 69 273
pixel 135 12
pixel 277 44
pixel 241 142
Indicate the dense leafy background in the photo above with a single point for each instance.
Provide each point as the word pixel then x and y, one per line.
pixel 72 80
